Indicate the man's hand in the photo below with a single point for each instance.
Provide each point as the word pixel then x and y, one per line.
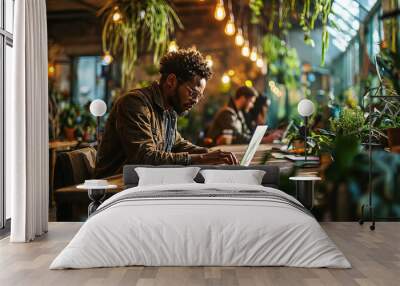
pixel 214 158
pixel 275 135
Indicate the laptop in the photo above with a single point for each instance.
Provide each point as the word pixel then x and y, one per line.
pixel 253 145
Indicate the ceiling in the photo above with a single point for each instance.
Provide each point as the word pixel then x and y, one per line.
pixel 198 15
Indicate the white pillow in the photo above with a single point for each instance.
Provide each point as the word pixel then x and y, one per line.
pixel 248 177
pixel 164 176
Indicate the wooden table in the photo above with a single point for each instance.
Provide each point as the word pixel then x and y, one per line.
pixel 285 166
pixel 70 200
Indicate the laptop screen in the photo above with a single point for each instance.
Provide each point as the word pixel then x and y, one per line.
pixel 253 145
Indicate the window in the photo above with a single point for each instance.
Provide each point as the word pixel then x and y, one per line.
pixel 6 63
pixel 347 16
pixel 90 83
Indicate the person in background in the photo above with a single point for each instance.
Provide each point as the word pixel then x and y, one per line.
pixel 229 124
pixel 142 125
pixel 258 116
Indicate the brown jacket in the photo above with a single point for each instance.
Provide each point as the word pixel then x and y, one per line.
pixel 138 131
pixel 229 118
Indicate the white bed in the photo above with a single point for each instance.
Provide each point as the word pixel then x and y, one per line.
pixel 222 225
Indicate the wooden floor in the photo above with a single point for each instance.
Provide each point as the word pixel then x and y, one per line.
pixel 375 257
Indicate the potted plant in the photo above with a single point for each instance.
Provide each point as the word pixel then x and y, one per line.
pixel 87 125
pixel 386 118
pixel 351 123
pixel 295 139
pixel 392 127
pixel 68 119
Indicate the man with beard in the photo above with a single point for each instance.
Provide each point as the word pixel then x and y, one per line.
pixel 231 118
pixel 142 125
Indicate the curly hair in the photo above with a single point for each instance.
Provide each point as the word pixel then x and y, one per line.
pixel 185 64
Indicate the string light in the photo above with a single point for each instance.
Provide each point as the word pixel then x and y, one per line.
pixel 209 61
pixel 107 58
pixel 274 88
pixel 246 49
pixel 271 83
pixel 52 70
pixel 219 13
pixel 230 27
pixel 239 39
pixel 117 16
pixel 253 54
pixel 260 62
pixel 231 72
pixel 264 69
pixel 225 79
pixel 248 83
pixel 172 47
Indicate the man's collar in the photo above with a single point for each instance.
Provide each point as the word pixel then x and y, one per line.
pixel 157 96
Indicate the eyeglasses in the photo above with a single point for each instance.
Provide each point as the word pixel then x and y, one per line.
pixel 193 93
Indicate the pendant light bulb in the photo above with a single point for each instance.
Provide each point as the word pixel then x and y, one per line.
pixel 209 61
pixel 172 47
pixel 246 49
pixel 225 79
pixel 253 54
pixel 230 27
pixel 107 58
pixel 260 62
pixel 264 69
pixel 239 39
pixel 117 16
pixel 219 13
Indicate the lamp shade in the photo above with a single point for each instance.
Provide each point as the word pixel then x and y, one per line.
pixel 98 107
pixel 305 107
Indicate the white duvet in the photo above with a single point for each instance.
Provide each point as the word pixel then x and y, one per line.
pixel 188 231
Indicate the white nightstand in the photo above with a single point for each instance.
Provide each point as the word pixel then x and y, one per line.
pixel 96 195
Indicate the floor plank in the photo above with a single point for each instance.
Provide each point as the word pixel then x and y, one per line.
pixel 374 255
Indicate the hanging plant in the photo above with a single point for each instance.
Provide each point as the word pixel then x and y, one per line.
pixel 283 61
pixel 311 11
pixel 131 27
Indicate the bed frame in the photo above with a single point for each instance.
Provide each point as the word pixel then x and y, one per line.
pixel 270 179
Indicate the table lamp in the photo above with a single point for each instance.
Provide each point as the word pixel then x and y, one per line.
pixel 305 109
pixel 98 108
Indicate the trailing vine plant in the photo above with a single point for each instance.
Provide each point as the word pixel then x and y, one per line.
pixel 131 27
pixel 283 61
pixel 311 11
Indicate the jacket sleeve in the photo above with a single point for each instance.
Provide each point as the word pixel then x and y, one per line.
pixel 182 145
pixel 226 120
pixel 134 129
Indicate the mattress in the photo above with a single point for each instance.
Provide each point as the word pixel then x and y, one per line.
pixel 201 225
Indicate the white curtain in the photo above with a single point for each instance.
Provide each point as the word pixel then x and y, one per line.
pixel 27 124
